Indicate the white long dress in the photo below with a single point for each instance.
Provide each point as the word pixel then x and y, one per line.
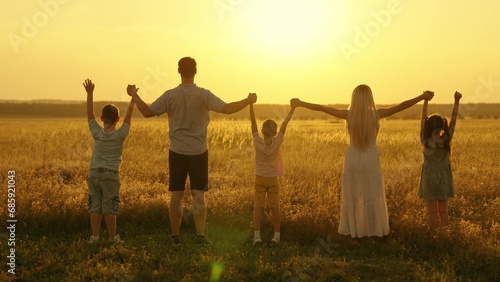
pixel 364 207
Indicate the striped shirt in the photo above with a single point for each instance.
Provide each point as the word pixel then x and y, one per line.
pixel 268 161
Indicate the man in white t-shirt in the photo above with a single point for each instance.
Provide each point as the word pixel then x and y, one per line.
pixel 188 108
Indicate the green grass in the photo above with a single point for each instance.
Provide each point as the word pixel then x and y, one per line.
pixel 51 163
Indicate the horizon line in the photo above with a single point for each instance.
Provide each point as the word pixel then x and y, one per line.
pixel 62 102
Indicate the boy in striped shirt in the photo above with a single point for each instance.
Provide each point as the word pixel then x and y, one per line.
pixel 268 169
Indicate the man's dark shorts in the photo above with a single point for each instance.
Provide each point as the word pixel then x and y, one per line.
pixel 196 166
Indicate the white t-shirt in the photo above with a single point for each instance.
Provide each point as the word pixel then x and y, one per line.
pixel 268 161
pixel 108 147
pixel 188 107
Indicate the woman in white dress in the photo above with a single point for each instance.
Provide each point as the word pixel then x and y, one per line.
pixel 364 207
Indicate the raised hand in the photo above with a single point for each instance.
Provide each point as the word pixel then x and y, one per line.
pixel 428 95
pixel 454 113
pixel 252 97
pixel 132 89
pixel 295 102
pixel 89 86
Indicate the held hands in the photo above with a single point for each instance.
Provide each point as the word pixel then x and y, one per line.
pixel 428 95
pixel 295 102
pixel 458 96
pixel 89 86
pixel 132 89
pixel 252 98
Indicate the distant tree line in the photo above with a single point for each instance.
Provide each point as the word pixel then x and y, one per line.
pixel 262 111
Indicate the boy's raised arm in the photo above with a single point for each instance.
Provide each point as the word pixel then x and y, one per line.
pixel 315 107
pixel 128 114
pixel 89 88
pixel 252 119
pixel 454 114
pixel 286 121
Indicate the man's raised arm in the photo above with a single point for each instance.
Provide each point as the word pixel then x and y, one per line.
pixel 234 107
pixel 141 105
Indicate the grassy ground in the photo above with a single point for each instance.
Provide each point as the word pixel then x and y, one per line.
pixel 51 162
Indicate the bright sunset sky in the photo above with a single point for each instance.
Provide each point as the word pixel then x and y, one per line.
pixel 314 50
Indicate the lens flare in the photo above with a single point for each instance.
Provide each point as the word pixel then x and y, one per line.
pixel 217 268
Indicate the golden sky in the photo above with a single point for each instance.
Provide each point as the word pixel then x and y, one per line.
pixel 314 50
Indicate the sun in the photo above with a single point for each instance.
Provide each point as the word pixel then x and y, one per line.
pixel 290 27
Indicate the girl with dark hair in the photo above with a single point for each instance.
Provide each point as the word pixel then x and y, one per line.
pixel 436 181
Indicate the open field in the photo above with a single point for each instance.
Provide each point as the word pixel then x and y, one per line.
pixel 51 157
pixel 40 109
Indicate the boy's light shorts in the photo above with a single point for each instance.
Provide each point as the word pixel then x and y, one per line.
pixel 103 191
pixel 269 186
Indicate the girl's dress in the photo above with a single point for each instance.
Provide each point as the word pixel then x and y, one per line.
pixel 436 180
pixel 364 207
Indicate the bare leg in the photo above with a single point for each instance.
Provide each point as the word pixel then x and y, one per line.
pixel 199 211
pixel 443 211
pixel 432 214
pixel 110 224
pixel 257 218
pixel 175 211
pixel 276 219
pixel 95 223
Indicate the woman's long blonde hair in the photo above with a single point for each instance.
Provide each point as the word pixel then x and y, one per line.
pixel 362 121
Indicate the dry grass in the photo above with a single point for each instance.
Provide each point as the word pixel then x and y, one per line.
pixel 51 162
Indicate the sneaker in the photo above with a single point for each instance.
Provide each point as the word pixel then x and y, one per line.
pixel 175 240
pixel 257 241
pixel 275 240
pixel 116 240
pixel 93 240
pixel 202 240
